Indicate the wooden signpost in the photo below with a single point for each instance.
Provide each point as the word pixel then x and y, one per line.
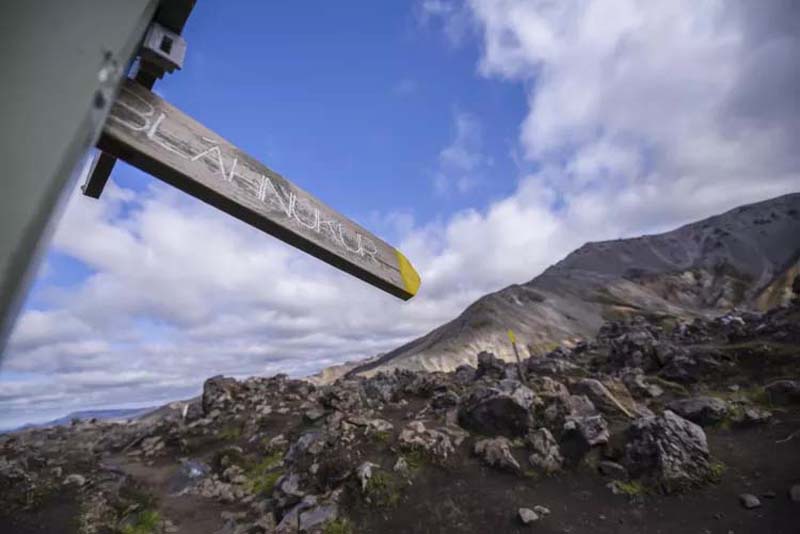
pixel 154 136
pixel 65 62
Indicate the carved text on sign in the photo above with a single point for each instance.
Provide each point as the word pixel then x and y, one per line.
pixel 300 210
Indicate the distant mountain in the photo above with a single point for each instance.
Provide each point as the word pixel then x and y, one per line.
pixel 745 258
pixel 85 415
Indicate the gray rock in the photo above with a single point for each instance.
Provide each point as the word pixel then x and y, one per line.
pixel 75 480
pixel 550 366
pixel 527 516
pixel 669 450
pixel 541 510
pixel 612 470
pixel 290 521
pixel 588 430
pixel 401 466
pixel 464 374
pixel 753 416
pixel 318 516
pixel 496 452
pixel 382 387
pixel 682 369
pixel 364 473
pixel 638 385
pixel 701 410
pixel 783 392
pixel 287 490
pixel 490 366
pixel 546 454
pixel 437 443
pixel 601 397
pixel 443 400
pixel 314 414
pixel 309 443
pixel 749 501
pixel 218 391
pixel 502 410
pixel 636 348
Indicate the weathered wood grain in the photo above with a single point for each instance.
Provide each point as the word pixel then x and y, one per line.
pixel 154 136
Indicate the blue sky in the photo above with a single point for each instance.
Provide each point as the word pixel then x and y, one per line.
pixel 485 138
pixel 353 103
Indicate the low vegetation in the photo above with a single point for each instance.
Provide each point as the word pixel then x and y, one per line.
pixel 145 522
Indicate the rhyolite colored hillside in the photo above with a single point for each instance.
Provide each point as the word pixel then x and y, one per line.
pixel 743 258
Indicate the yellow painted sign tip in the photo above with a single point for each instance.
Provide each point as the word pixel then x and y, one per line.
pixel 411 279
pixel 511 336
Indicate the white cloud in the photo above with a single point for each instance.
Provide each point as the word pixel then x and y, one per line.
pixel 642 115
pixel 652 106
pixel 462 163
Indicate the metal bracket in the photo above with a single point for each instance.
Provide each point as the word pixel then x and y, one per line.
pixel 162 51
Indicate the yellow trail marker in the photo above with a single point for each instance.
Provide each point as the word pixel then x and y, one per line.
pixel 512 337
pixel 410 276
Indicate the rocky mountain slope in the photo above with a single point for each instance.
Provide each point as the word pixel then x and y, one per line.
pixel 657 424
pixel 742 258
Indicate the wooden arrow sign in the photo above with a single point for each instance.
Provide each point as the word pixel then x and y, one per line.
pixel 154 136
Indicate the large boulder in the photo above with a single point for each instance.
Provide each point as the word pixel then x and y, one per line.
pixel 218 392
pixel 783 392
pixel 668 450
pixel 502 410
pixel 701 410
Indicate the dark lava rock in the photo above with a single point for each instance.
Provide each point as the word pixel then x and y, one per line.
pixel 217 392
pixel 584 432
pixel 783 392
pixel 490 366
pixel 502 410
pixel 382 387
pixel 464 374
pixel 701 410
pixel 669 450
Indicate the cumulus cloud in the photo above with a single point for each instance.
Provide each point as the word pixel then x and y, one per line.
pixel 663 110
pixel 641 116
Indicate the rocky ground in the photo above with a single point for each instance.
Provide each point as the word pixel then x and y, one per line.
pixel 656 425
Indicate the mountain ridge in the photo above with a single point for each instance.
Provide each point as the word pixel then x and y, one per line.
pixel 744 257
